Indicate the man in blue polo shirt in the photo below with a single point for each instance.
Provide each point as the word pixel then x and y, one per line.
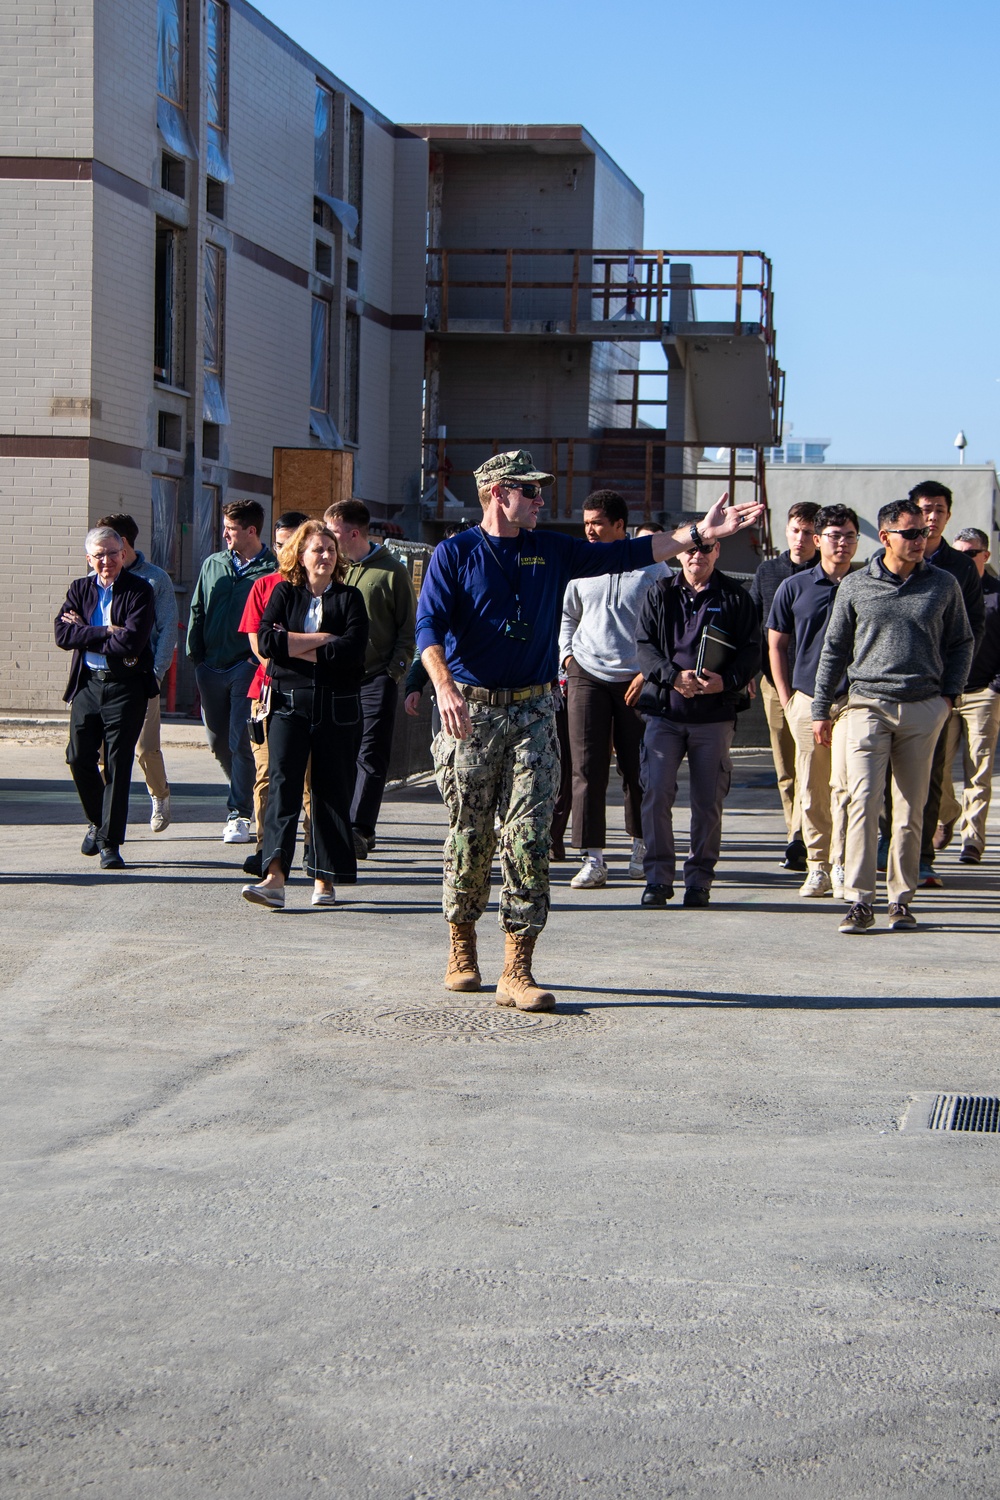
pixel 487 631
pixel 800 613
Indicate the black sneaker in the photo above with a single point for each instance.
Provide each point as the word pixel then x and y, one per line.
pixel 90 844
pixel 901 918
pixel 796 857
pixel 970 855
pixel 859 918
pixel 111 859
pixel 252 865
pixel 361 845
pixel 697 895
pixel 657 895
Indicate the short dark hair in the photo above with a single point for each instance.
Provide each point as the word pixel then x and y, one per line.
pixel 614 506
pixel 123 524
pixel 836 515
pixel 245 513
pixel 352 512
pixel 290 519
pixel 651 526
pixel 803 510
pixel 931 489
pixel 895 511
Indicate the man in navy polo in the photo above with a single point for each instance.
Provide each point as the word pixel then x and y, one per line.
pixel 800 613
pixel 487 630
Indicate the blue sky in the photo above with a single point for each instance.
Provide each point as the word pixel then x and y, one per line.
pixel 856 144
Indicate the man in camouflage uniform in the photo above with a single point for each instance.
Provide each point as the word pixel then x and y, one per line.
pixel 487 631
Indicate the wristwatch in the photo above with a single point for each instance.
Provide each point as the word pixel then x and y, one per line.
pixel 697 540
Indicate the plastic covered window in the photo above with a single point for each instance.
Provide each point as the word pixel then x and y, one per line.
pixel 170 51
pixel 165 545
pixel 214 307
pixel 215 91
pixel 323 141
pixel 319 384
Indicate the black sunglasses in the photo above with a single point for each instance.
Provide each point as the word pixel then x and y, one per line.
pixel 910 533
pixel 529 491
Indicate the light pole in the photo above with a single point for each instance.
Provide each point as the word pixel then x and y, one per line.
pixel 961 443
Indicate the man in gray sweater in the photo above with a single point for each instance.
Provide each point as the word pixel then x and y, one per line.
pixel 598 653
pixel 900 629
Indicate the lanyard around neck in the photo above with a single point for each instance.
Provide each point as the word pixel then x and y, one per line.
pixel 515 588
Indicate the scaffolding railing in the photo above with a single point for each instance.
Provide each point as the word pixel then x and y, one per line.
pixel 568 459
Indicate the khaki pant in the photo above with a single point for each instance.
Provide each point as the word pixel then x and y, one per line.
pixel 148 752
pixel 901 736
pixel 261 781
pixel 974 723
pixel 821 783
pixel 783 753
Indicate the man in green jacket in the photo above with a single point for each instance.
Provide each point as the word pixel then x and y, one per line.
pixel 224 664
pixel 391 603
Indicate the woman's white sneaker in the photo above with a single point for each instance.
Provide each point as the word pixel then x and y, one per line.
pixel 592 873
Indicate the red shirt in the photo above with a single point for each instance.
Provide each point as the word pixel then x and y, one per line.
pixel 253 613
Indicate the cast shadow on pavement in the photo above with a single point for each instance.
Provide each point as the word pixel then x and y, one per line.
pixel 710 999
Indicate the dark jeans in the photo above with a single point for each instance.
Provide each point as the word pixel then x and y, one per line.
pixel 312 721
pixel 664 746
pixel 225 711
pixel 379 697
pixel 598 713
pixel 564 801
pixel 109 714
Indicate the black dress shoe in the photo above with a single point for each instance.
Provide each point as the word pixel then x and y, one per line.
pixel 90 844
pixel 252 866
pixel 657 895
pixel 360 844
pixel 111 859
pixel 795 857
pixel 696 895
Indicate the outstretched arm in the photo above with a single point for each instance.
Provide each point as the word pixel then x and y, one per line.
pixel 722 520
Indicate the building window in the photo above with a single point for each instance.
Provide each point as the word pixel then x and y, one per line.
pixel 215 198
pixel 352 375
pixel 356 166
pixel 165 546
pixel 324 259
pixel 213 348
pixel 216 89
pixel 323 141
pixel 209 521
pixel 170 78
pixel 320 422
pixel 172 174
pixel 211 445
pixel 168 431
pixel 168 363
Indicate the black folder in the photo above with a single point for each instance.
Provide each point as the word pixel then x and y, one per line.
pixel 714 650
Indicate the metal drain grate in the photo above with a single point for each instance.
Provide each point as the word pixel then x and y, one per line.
pixel 979 1112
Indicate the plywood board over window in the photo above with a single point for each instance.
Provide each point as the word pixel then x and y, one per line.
pixel 310 479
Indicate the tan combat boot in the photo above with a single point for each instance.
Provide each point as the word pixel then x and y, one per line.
pixel 516 985
pixel 462 972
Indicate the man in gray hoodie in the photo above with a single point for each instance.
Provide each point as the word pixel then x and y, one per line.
pixel 599 656
pixel 900 629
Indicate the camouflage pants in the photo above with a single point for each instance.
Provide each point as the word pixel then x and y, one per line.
pixel 507 768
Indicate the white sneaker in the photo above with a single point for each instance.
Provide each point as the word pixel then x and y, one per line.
pixel 236 831
pixel 817 883
pixel 838 875
pixel 635 864
pixel 161 814
pixel 592 873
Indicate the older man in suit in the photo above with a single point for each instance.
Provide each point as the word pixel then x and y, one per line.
pixel 106 620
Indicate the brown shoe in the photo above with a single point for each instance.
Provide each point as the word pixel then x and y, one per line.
pixel 516 985
pixel 943 835
pixel 462 972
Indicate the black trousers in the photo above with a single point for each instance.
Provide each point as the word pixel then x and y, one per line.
pixel 379 696
pixel 108 714
pixel 564 801
pixel 312 721
pixel 597 713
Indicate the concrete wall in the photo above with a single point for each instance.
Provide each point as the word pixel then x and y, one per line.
pixel 866 487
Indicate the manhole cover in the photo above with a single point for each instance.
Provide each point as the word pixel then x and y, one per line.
pixel 979 1112
pixel 482 1023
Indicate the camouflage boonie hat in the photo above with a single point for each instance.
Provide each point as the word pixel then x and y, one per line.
pixel 511 468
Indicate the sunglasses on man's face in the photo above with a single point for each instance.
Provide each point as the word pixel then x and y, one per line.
pixel 910 533
pixel 529 491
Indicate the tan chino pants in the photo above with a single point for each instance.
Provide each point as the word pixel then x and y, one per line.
pixel 821 783
pixel 148 752
pixel 974 724
pixel 783 754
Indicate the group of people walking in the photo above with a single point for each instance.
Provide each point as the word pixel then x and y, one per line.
pixel 872 679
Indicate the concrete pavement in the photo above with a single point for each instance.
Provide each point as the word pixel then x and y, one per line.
pixel 282 1218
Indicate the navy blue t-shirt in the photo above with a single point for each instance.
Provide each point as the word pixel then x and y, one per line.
pixel 802 607
pixel 476 583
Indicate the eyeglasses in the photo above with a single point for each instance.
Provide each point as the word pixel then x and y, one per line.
pixel 840 538
pixel 529 491
pixel 910 533
pixel 104 556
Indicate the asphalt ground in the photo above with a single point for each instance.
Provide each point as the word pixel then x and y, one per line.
pixel 281 1217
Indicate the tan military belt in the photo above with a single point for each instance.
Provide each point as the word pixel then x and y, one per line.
pixel 502 697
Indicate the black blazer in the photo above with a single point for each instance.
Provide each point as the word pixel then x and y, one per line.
pixel 338 665
pixel 128 652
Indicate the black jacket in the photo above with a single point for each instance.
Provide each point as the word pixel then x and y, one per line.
pixel 340 664
pixel 965 571
pixel 669 627
pixel 127 651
